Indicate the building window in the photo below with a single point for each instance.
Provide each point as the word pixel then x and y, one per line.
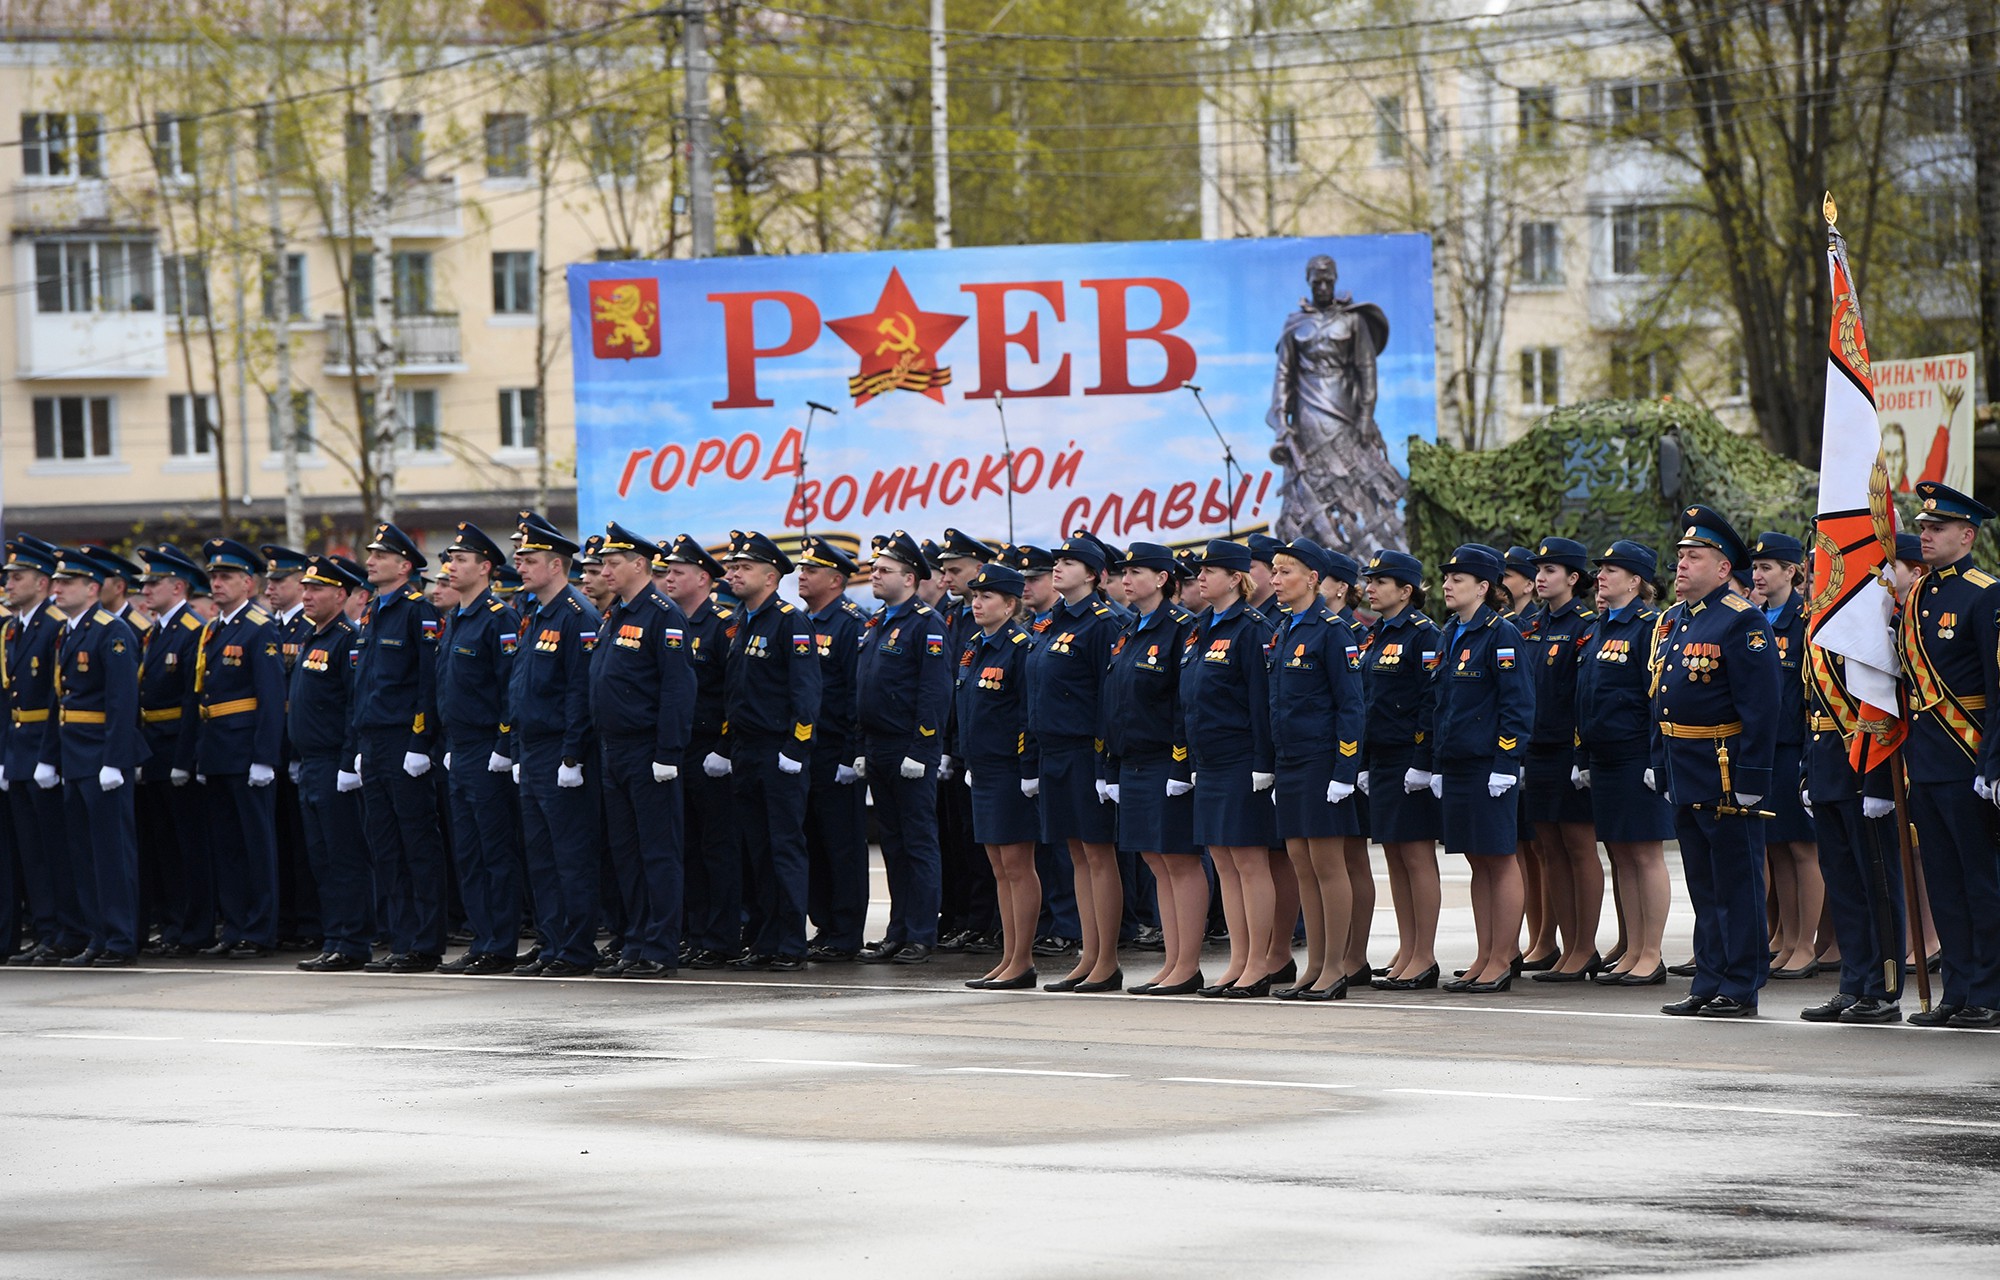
pixel 295 287
pixel 184 284
pixel 1951 227
pixel 291 149
pixel 626 254
pixel 93 275
pixel 72 428
pixel 617 143
pixel 1541 376
pixel 1541 253
pixel 1639 108
pixel 1389 128
pixel 406 147
pixel 1538 117
pixel 1641 374
pixel 302 421
pixel 57 144
pixel 416 418
pixel 1637 236
pixel 176 146
pixel 1281 139
pixel 507 145
pixel 514 283
pixel 411 271
pixel 191 425
pixel 518 426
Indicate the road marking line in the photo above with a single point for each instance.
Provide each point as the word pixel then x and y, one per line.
pixel 1755 1111
pixel 832 1062
pixel 1949 1123
pixel 93 1035
pixel 1511 1097
pixel 1027 1071
pixel 1265 1084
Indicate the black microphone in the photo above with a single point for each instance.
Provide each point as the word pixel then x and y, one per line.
pixel 814 404
pixel 1189 386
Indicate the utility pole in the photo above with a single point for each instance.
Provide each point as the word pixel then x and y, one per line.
pixel 940 135
pixel 242 355
pixel 701 177
pixel 382 284
pixel 278 290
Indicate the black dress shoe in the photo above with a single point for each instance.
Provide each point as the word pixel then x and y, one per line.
pixel 1810 969
pixel 1871 1010
pixel 1687 970
pixel 1255 991
pixel 1728 1007
pixel 703 958
pixel 532 968
pixel 1460 983
pixel 1192 986
pixel 249 951
pixel 1338 991
pixel 220 949
pixel 22 959
pixel 1938 1015
pixel 1425 981
pixel 311 965
pixel 559 968
pixel 953 943
pixel 1543 965
pixel 1149 938
pixel 1050 945
pixel 381 963
pixel 755 962
pixel 787 964
pixel 1019 982
pixel 983 944
pixel 912 953
pixel 1831 1010
pixel 879 952
pixel 338 962
pixel 1292 992
pixel 1290 973
pixel 178 951
pixel 120 959
pixel 81 960
pixel 1062 984
pixel 1213 991
pixel 1657 978
pixel 1557 975
pixel 414 962
pixel 1684 1008
pixel 1143 989
pixel 492 962
pixel 645 969
pixel 1361 977
pixel 1972 1017
pixel 460 965
pixel 1116 982
pixel 609 967
pixel 1498 984
pixel 822 954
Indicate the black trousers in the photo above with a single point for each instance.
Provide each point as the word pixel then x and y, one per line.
pixel 404 843
pixel 837 853
pixel 771 811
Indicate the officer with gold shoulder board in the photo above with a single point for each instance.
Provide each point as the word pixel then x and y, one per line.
pixel 176 871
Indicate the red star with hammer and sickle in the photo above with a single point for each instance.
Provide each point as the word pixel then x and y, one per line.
pixel 898 345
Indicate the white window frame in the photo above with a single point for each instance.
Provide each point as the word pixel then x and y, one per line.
pixel 1639 215
pixel 86 296
pixel 1541 260
pixel 504 287
pixel 59 464
pixel 80 162
pixel 177 147
pixel 517 404
pixel 493 119
pixel 1391 129
pixel 175 273
pixel 1541 377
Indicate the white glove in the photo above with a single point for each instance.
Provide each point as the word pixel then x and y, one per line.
pixel 1871 807
pixel 1651 785
pixel 416 763
pixel 1499 784
pixel 1191 775
pixel 1748 802
pixel 1103 793
pixel 1805 799
pixel 1111 789
pixel 345 781
pixel 861 766
pixel 1262 781
pixel 1337 791
pixel 665 772
pixel 1982 788
pixel 517 775
pixel 3 777
pixel 46 776
pixel 262 775
pixel 714 765
pixel 1415 780
pixel 845 774
pixel 201 778
pixel 968 777
pixel 294 771
pixel 912 768
pixel 357 764
pixel 1031 787
pixel 179 777
pixel 1579 778
pixel 447 762
pixel 110 779
pixel 569 775
pixel 946 767
pixel 1361 781
pixel 1175 787
pixel 1437 785
pixel 788 765
pixel 497 763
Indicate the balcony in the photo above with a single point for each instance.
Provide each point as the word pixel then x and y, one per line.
pixel 84 344
pixel 419 209
pixel 90 204
pixel 424 344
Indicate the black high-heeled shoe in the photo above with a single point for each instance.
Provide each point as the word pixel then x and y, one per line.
pixel 1116 982
pixel 1549 961
pixel 1292 992
pixel 1290 973
pixel 1460 983
pixel 1590 967
pixel 1500 983
pixel 1425 981
pixel 1657 977
pixel 1196 985
pixel 1338 991
pixel 1019 982
pixel 1360 977
pixel 1143 989
pixel 1062 984
pixel 1214 991
pixel 1255 991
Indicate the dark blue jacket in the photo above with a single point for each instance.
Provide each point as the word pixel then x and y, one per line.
pixel 773 689
pixel 837 632
pixel 990 723
pixel 29 652
pixel 395 676
pixel 708 630
pixel 1143 717
pixel 1397 657
pixel 1226 689
pixel 97 683
pixel 1788 633
pixel 1315 691
pixel 475 663
pixel 240 691
pixel 1717 669
pixel 1948 641
pixel 168 714
pixel 1066 672
pixel 1554 638
pixel 641 683
pixel 1484 700
pixel 322 693
pixel 902 681
pixel 1614 675
pixel 550 693
pixel 1827 769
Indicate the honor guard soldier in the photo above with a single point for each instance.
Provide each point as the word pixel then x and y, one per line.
pixel 902 683
pixel 395 731
pixel 55 913
pixel 474 663
pixel 1948 644
pixel 320 727
pixel 1715 711
pixel 773 703
pixel 552 745
pixel 240 698
pixel 642 696
pixel 298 900
pixel 97 751
pixel 713 932
pixel 836 799
pixel 121 579
pixel 176 869
pixel 968 905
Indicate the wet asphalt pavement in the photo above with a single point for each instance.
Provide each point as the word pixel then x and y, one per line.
pixel 194 1121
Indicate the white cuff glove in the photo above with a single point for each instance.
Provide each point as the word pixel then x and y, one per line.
pixel 968 777
pixel 1175 787
pixel 3 777
pixel 665 772
pixel 1262 781
pixel 262 775
pixel 201 778
pixel 1871 807
pixel 1805 799
pixel 1415 780
pixel 1437 785
pixel 1578 777
pixel 1031 787
pixel 1337 791
pixel 516 771
pixel 1651 784
pixel 1982 789
pixel 1499 784
pixel 1111 789
pixel 714 765
pixel 861 766
pixel 357 764
pixel 447 762
pixel 46 776
pixel 912 768
pixel 946 768
pixel 844 774
pixel 110 779
pixel 179 777
pixel 295 771
pixel 1361 781
pixel 788 765
pixel 497 763
pixel 1102 793
pixel 345 781
pixel 1191 777
pixel 416 763
pixel 569 775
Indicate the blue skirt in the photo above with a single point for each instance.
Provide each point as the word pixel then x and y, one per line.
pixel 1227 812
pixel 1000 813
pixel 1625 812
pixel 1548 795
pixel 1393 814
pixel 1791 822
pixel 1303 812
pixel 1070 807
pixel 1150 820
pixel 1475 822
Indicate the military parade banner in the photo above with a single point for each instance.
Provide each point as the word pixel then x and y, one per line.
pixel 857 393
pixel 1926 407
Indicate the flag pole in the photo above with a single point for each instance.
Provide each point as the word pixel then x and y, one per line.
pixel 1914 895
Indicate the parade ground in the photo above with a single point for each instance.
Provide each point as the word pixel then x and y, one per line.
pixel 254 1121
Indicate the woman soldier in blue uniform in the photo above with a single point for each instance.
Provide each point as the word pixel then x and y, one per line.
pixel 1341 589
pixel 1315 703
pixel 1002 766
pixel 1517 584
pixel 1398 655
pixel 1485 705
pixel 1572 877
pixel 1614 724
pixel 1146 762
pixel 1225 693
pixel 1791 845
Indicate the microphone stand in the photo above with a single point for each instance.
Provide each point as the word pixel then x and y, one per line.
pixel 1229 463
pixel 1006 456
pixel 798 485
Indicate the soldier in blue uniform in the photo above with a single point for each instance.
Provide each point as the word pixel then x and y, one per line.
pixel 176 874
pixel 1948 643
pixel 549 695
pixel 474 665
pixel 1791 845
pixel 713 913
pixel 395 730
pixel 1264 596
pixel 240 700
pixel 321 732
pixel 773 696
pixel 97 750
pixel 836 801
pixel 1565 841
pixel 298 901
pixel 642 697
pixel 1715 712
pixel 121 579
pixel 968 906
pixel 28 659
pixel 902 681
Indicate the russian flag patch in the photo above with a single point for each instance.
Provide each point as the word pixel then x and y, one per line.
pixel 508 643
pixel 673 636
pixel 1506 657
pixel 934 645
pixel 802 644
pixel 431 628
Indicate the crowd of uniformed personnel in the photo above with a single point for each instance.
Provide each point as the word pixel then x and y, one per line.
pixel 1070 751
